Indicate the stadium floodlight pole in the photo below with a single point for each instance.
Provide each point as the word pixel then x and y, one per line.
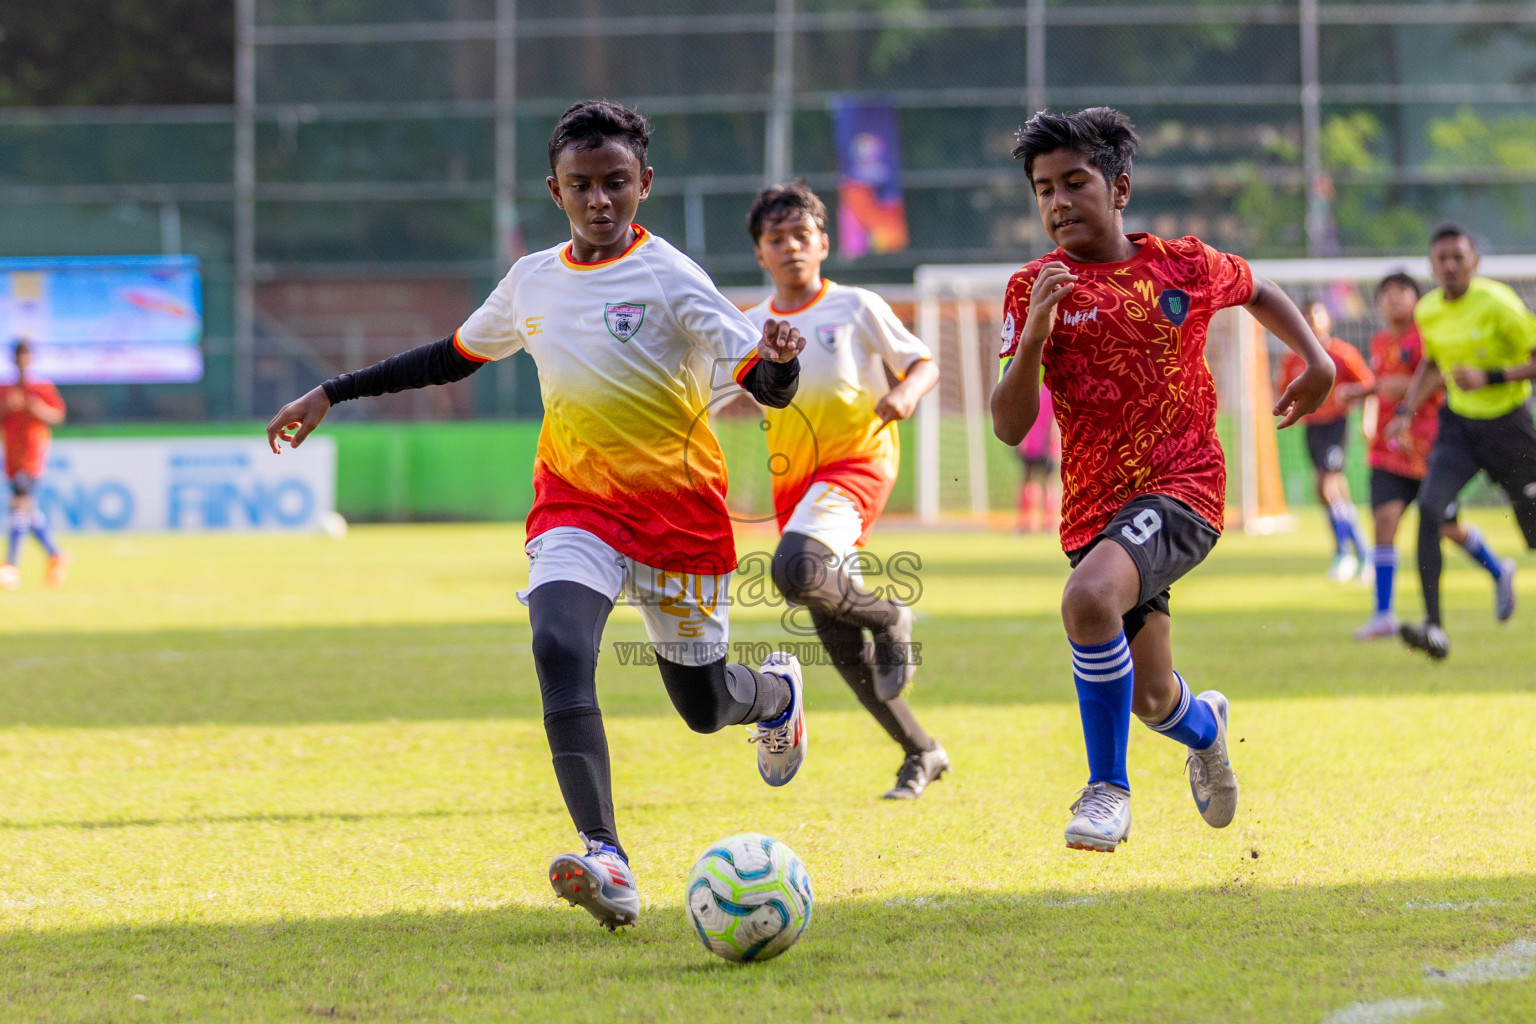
pixel 1311 131
pixel 506 243
pixel 1034 56
pixel 782 111
pixel 245 207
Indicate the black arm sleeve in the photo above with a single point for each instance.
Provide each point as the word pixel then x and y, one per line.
pixel 438 363
pixel 773 384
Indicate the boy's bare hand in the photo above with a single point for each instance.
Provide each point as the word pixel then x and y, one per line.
pixel 781 342
pixel 295 420
pixel 1305 394
pixel 896 404
pixel 1054 283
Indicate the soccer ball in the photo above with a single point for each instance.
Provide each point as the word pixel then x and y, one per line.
pixel 748 897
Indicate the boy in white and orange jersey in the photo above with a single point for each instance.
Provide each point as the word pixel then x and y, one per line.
pixel 834 457
pixel 630 339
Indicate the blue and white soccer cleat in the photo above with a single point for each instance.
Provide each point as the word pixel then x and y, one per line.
pixel 1212 782
pixel 1344 567
pixel 782 742
pixel 1504 590
pixel 599 881
pixel 1103 818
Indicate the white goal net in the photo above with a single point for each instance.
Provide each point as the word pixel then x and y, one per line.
pixel 963 472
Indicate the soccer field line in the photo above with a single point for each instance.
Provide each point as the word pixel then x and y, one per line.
pixel 1511 962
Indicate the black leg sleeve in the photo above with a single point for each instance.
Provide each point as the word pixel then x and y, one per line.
pixel 852 659
pixel 568 620
pixel 711 697
pixel 1450 467
pixel 803 571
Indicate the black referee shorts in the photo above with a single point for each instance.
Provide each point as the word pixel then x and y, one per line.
pixel 1166 539
pixel 1503 447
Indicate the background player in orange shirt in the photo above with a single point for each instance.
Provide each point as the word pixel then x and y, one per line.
pixel 1398 465
pixel 31 408
pixel 1118 324
pixel 1327 439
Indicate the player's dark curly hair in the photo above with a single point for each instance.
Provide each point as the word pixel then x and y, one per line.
pixel 1445 231
pixel 1399 279
pixel 1103 135
pixel 586 124
pixel 776 202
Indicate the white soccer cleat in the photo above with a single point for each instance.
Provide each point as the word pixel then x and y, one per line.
pixel 1344 568
pixel 599 881
pixel 10 577
pixel 1380 627
pixel 1102 820
pixel 1212 782
pixel 1504 590
pixel 782 742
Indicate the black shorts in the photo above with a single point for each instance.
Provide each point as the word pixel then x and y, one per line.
pixel 1325 443
pixel 22 484
pixel 1166 539
pixel 1503 447
pixel 1044 463
pixel 1387 487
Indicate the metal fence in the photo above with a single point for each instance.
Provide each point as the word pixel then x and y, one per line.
pixel 383 160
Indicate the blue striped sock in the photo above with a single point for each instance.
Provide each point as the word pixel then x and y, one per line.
pixel 20 524
pixel 1386 569
pixel 1192 723
pixel 1104 674
pixel 1477 547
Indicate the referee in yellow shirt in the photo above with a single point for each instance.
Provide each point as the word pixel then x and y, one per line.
pixel 1478 344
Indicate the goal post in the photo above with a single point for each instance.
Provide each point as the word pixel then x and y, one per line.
pixel 964 472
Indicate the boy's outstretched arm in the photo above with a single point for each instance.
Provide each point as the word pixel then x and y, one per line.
pixel 441 362
pixel 1274 309
pixel 1016 399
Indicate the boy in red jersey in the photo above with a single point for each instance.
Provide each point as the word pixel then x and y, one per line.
pixel 1327 438
pixel 1118 325
pixel 630 338
pixel 1398 465
pixel 30 408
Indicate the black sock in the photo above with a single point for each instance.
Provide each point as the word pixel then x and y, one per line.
pixel 845 643
pixel 579 750
pixel 711 697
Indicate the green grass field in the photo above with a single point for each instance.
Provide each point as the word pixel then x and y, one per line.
pixel 276 779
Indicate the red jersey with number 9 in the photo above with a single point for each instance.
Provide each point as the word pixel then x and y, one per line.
pixel 1125 363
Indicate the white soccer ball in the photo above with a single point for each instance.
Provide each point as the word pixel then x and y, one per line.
pixel 748 898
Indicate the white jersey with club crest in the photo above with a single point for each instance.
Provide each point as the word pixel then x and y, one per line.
pixel 631 353
pixel 830 434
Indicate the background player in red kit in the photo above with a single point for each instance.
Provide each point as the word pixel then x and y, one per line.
pixel 29 410
pixel 1118 323
pixel 1328 438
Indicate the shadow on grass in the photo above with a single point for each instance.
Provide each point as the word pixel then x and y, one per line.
pixel 479 671
pixel 1217 954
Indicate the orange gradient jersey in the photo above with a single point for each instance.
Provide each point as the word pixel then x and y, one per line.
pixel 26 436
pixel 631 353
pixel 1125 363
pixel 830 434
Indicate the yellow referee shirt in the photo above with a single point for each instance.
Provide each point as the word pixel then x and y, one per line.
pixel 1487 328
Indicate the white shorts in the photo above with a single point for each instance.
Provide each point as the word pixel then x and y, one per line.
pixel 829 514
pixel 686 614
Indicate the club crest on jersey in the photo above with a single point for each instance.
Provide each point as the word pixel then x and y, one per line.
pixel 1009 329
pixel 624 318
pixel 829 334
pixel 1174 302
